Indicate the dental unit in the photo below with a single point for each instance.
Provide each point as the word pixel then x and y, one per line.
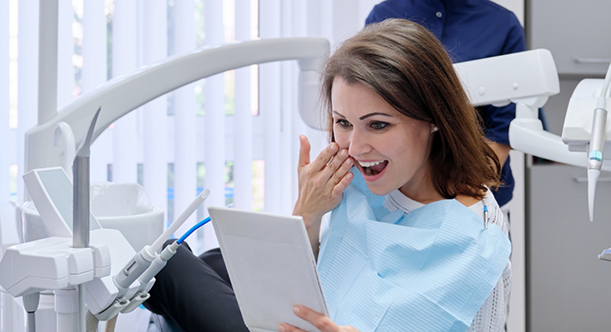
pixel 130 275
pixel 112 277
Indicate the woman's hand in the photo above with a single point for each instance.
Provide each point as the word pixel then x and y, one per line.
pixel 320 321
pixel 321 184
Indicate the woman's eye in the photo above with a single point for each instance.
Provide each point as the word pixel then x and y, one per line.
pixel 343 123
pixel 378 125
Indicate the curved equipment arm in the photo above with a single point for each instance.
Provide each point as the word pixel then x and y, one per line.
pixel 527 79
pixel 123 94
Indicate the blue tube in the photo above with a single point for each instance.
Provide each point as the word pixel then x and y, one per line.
pixel 193 229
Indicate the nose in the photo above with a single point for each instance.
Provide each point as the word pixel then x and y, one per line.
pixel 359 144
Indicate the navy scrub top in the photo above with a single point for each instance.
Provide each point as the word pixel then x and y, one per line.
pixel 469 30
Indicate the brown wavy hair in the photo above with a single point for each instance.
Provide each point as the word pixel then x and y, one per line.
pixel 408 67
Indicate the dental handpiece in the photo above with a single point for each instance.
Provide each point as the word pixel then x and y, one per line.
pixel 597 140
pixel 142 260
pixel 595 160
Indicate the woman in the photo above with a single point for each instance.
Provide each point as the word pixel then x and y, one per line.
pixel 398 113
pixel 406 178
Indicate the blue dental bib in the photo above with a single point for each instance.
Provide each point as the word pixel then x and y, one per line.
pixel 429 270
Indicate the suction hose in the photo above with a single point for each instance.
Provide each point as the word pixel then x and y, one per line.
pixel 111 323
pixel 91 322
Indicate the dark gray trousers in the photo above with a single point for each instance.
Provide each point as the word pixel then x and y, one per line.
pixel 195 292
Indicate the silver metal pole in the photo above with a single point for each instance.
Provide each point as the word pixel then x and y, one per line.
pixel 80 206
pixel 47 60
pixel 80 198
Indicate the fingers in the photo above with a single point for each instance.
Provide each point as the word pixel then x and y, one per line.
pixel 320 321
pixel 325 156
pixel 343 184
pixel 288 328
pixel 336 163
pixel 304 151
pixel 340 166
pixel 336 169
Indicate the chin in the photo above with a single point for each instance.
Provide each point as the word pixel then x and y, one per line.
pixel 376 190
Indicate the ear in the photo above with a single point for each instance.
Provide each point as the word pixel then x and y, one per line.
pixel 434 128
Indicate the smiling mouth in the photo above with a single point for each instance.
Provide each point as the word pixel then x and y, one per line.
pixel 375 168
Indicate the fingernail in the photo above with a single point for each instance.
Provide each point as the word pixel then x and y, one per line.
pixel 344 153
pixel 349 162
pixel 296 309
pixel 333 146
pixel 280 328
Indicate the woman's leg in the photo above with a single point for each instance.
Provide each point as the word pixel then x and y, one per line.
pixel 214 259
pixel 189 291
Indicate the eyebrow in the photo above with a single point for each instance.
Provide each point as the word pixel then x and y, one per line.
pixel 372 114
pixel 366 115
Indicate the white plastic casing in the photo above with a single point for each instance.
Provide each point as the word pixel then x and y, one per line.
pixel 310 105
pixel 125 93
pixel 577 129
pixel 501 79
pixel 51 263
pixel 101 292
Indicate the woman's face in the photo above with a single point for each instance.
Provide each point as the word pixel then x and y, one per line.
pixel 390 149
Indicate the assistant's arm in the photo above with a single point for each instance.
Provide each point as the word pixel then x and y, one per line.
pixel 501 150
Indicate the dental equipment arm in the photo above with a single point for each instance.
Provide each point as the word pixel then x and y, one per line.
pixel 502 79
pixel 527 79
pixel 123 94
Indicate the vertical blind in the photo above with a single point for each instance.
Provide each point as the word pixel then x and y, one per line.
pixel 5 147
pixel 235 133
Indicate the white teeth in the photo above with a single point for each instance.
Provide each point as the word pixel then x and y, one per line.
pixel 369 164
